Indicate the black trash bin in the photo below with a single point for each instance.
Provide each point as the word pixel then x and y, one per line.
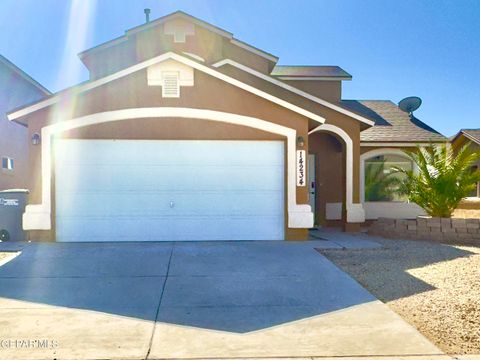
pixel 12 207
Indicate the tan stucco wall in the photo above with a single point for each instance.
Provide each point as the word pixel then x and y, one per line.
pixel 327 90
pixel 133 92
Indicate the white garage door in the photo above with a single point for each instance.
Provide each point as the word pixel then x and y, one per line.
pixel 132 190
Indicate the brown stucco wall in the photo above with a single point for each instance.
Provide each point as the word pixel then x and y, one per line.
pixel 327 90
pixel 133 92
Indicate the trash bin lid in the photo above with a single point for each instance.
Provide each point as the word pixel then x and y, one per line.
pixel 14 191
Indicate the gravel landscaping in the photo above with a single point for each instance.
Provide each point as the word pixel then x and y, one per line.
pixel 434 287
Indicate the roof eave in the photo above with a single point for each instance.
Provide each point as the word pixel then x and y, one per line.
pixel 313 78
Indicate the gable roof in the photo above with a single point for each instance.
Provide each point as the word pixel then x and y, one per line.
pixel 73 91
pixel 391 123
pixel 288 71
pixel 185 16
pixel 470 134
pixel 24 75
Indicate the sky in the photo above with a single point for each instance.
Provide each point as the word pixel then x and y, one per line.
pixel 393 49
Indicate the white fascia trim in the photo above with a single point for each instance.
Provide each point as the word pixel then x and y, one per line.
pixel 355 212
pixel 388 144
pixel 254 50
pixel 147 63
pixel 38 216
pixel 293 89
pixel 194 56
pixel 313 78
pixel 105 45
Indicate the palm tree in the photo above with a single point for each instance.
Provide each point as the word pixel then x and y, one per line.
pixel 443 178
pixel 379 185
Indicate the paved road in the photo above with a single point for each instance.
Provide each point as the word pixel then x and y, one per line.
pixel 191 300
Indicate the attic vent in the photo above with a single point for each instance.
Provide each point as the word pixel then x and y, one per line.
pixel 170 85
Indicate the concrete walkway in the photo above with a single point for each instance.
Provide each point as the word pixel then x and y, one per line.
pixel 192 300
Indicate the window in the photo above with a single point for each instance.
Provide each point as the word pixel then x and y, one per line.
pixel 7 164
pixel 476 192
pixel 170 84
pixel 381 182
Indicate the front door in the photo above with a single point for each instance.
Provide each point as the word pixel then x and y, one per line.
pixel 311 181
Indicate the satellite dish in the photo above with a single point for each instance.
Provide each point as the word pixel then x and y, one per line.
pixel 410 104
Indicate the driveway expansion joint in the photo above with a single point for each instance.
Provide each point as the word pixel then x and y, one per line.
pixel 160 301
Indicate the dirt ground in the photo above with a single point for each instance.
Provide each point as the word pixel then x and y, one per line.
pixel 434 287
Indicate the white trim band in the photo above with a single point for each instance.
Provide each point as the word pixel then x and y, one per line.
pixel 38 217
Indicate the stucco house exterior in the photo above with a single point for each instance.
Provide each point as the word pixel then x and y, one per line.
pixel 184 132
pixel 16 88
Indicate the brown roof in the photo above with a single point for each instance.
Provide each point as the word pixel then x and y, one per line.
pixel 471 134
pixel 310 71
pixel 391 123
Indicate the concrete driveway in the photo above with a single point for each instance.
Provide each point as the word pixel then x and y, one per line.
pixel 191 300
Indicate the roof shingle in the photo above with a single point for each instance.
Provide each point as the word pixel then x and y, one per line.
pixel 391 123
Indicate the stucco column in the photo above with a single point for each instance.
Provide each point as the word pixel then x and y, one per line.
pixel 354 211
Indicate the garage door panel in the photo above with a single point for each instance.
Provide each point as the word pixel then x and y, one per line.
pixel 131 190
pixel 164 229
pixel 159 204
pixel 171 153
pixel 123 178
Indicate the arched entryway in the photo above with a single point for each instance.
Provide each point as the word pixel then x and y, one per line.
pixel 327 178
pixel 335 179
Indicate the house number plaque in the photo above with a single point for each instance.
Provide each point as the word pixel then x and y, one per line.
pixel 301 168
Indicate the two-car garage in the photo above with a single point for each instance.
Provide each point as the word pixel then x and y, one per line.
pixel 165 190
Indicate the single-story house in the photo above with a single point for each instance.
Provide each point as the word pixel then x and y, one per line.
pixel 184 132
pixel 16 88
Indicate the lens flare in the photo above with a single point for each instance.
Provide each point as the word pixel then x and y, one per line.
pixel 79 25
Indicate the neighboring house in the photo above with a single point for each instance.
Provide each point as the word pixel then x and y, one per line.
pixel 184 132
pixel 472 138
pixel 16 89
